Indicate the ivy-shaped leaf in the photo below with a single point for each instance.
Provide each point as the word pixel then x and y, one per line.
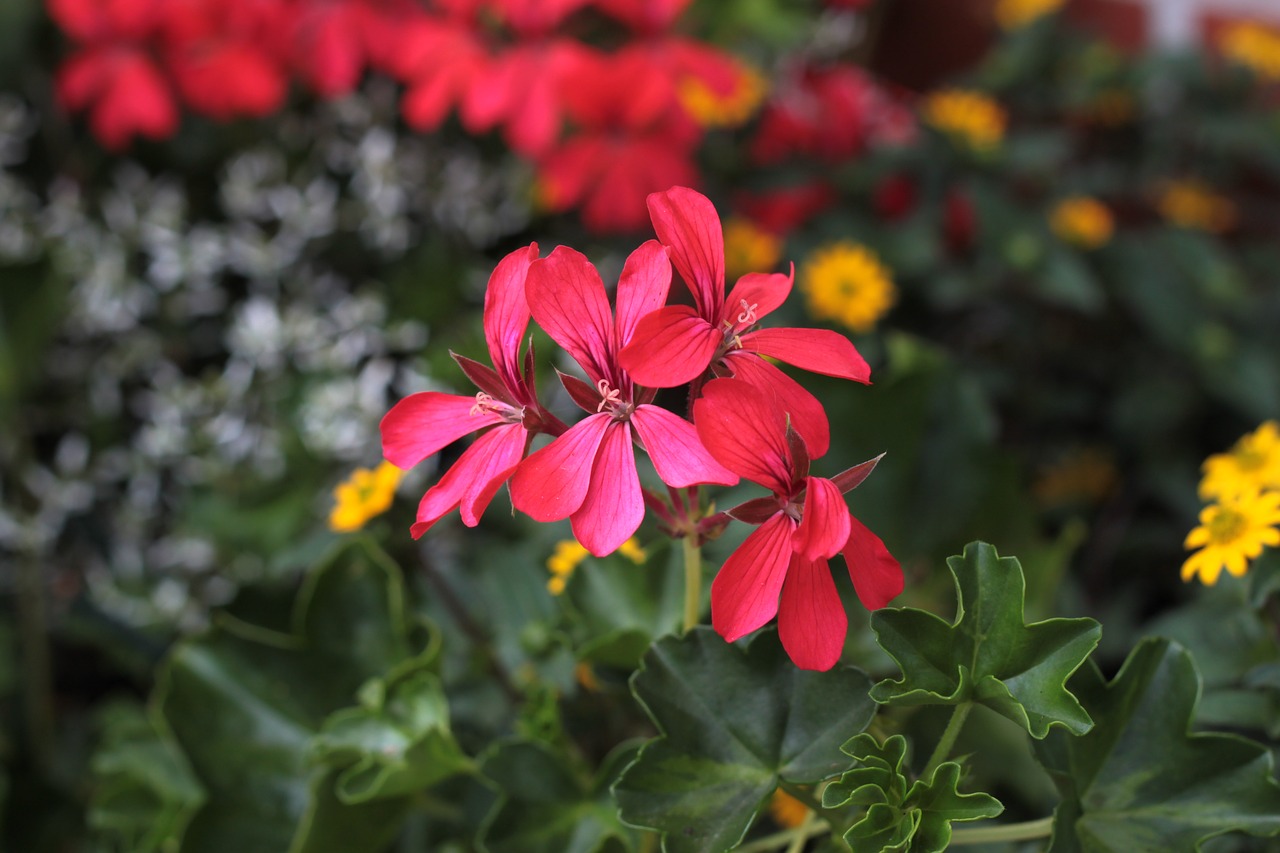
pixel 1140 780
pixel 734 722
pixel 546 808
pixel 989 655
pixel 902 818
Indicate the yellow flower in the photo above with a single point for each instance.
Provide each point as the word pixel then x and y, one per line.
pixel 786 810
pixel 365 493
pixel 1084 475
pixel 1231 533
pixel 749 248
pixel 1191 204
pixel 968 117
pixel 1253 463
pixel 1082 221
pixel 1254 46
pixel 731 107
pixel 569 554
pixel 1012 14
pixel 847 283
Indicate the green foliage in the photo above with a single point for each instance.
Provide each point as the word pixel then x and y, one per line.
pixel 1141 780
pixel 900 816
pixel 988 655
pixel 734 722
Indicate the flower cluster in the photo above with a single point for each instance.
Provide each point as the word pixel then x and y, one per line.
pixel 749 420
pixel 570 553
pixel 970 118
pixel 1191 204
pixel 1244 485
pixel 363 495
pixel 1253 45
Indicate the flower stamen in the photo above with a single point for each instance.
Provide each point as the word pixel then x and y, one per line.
pixel 484 403
pixel 748 315
pixel 609 396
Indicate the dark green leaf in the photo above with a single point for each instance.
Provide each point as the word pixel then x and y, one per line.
pixel 989 655
pixel 734 721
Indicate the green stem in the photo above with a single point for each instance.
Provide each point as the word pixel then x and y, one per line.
pixel 948 739
pixel 692 581
pixel 801 833
pixel 1024 831
pixel 37 665
pixel 802 837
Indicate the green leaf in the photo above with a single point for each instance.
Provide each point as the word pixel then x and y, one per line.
pixel 734 722
pixel 1140 780
pixel 901 818
pixel 546 808
pixel 989 655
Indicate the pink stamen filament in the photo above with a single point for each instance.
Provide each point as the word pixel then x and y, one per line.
pixel 748 315
pixel 609 396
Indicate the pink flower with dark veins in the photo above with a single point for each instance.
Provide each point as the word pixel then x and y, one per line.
pixel 781 568
pixel 678 343
pixel 588 474
pixel 424 423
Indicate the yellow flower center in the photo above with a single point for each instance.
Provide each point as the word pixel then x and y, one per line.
pixel 1226 526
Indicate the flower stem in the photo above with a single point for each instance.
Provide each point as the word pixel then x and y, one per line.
pixel 1024 831
pixel 948 739
pixel 692 581
pixel 775 841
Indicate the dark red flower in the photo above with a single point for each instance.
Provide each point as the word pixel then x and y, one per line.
pixel 895 197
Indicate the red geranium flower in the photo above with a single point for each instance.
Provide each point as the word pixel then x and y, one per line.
pixel 589 473
pixel 678 343
pixel 801 525
pixel 422 424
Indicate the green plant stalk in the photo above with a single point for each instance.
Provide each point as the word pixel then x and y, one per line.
pixel 775 841
pixel 948 739
pixel 37 664
pixel 1024 831
pixel 802 837
pixel 692 581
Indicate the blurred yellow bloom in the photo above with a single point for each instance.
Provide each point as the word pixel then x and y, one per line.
pixel 1254 46
pixel 365 493
pixel 1191 204
pixel 1231 533
pixel 730 108
pixel 1012 14
pixel 1252 464
pixel 749 248
pixel 1086 475
pixel 967 117
pixel 846 282
pixel 569 554
pixel 786 811
pixel 1082 221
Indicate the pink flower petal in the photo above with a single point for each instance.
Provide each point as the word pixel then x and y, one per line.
pixel 506 312
pixel 762 293
pixel 744 432
pixel 686 221
pixel 744 595
pixel 474 479
pixel 421 424
pixel 676 451
pixel 811 620
pixel 807 415
pixel 614 507
pixel 877 576
pixel 824 526
pixel 552 483
pixel 817 350
pixel 642 288
pixel 568 301
pixel 670 346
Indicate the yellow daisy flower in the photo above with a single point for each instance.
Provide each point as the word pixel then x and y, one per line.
pixel 1253 463
pixel 569 554
pixel 363 495
pixel 1231 533
pixel 1254 46
pixel 712 108
pixel 846 282
pixel 1013 14
pixel 969 118
pixel 749 248
pixel 1082 221
pixel 1191 204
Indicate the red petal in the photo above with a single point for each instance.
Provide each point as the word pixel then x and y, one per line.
pixel 811 620
pixel 552 483
pixel 744 594
pixel 817 350
pixel 642 288
pixel 506 312
pixel 824 526
pixel 670 346
pixel 677 453
pixel 687 222
pixel 807 415
pixel 474 479
pixel 568 300
pixel 614 507
pixel 877 576
pixel 421 424
pixel 762 292
pixel 744 432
